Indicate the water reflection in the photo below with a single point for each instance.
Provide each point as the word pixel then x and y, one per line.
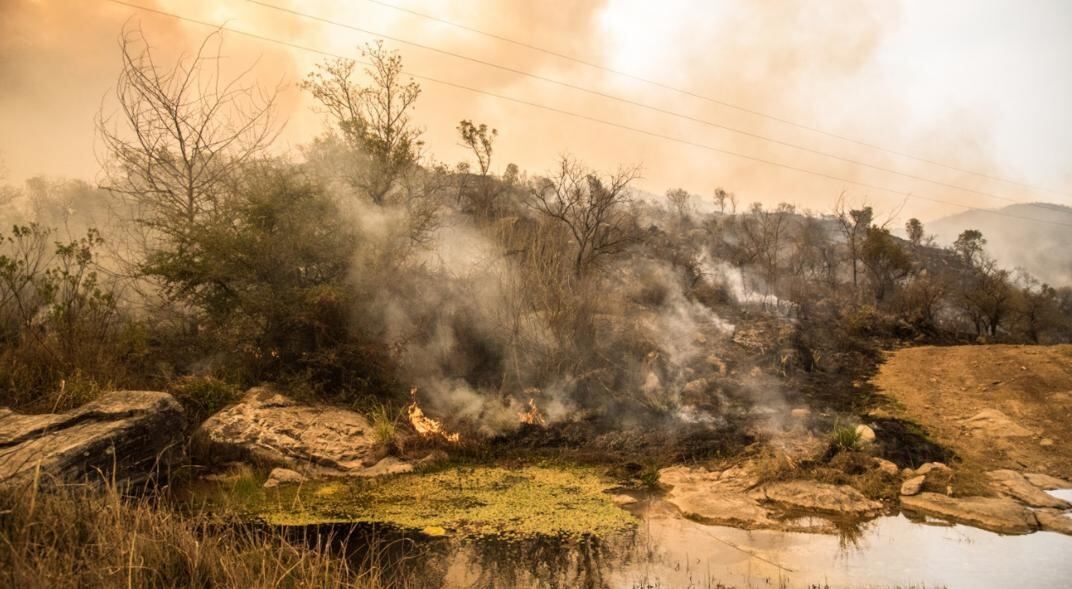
pixel 668 551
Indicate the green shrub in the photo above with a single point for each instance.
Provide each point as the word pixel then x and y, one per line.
pixel 845 437
pixel 203 396
pixel 384 425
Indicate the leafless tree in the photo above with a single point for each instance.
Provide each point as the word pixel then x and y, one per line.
pixel 181 133
pixel 765 233
pixel 590 207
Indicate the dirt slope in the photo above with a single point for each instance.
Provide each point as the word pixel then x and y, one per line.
pixel 996 406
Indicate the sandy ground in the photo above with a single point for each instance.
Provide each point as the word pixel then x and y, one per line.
pixel 996 406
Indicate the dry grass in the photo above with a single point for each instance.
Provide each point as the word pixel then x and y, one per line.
pixel 91 537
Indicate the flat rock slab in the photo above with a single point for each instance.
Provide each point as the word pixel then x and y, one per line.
pixel 1047 482
pixel 725 498
pixel 995 424
pixel 272 429
pixel 820 497
pixel 997 514
pixel 1015 485
pixel 127 434
pixel 1055 521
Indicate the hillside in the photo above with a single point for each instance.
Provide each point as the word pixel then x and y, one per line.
pixel 1039 247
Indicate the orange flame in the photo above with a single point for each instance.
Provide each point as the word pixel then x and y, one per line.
pixel 533 415
pixel 426 426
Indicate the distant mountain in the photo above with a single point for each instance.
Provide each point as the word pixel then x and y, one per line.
pixel 1040 246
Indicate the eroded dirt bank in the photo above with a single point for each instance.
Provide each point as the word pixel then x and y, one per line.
pixel 995 406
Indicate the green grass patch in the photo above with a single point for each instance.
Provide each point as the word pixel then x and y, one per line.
pixel 564 501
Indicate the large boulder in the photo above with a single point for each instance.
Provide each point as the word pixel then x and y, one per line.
pixel 125 435
pixel 271 429
pixel 997 514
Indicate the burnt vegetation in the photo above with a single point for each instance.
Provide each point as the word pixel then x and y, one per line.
pixel 204 264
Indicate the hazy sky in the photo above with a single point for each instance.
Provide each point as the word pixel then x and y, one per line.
pixel 985 85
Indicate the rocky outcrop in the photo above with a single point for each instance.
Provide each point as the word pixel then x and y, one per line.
pixel 732 498
pixel 1015 485
pixel 811 496
pixel 997 514
pixel 270 429
pixel 715 497
pixel 128 435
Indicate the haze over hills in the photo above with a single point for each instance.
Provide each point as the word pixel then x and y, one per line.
pixel 1040 247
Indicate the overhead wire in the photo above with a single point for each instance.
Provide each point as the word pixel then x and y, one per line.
pixel 582 116
pixel 628 101
pixel 723 103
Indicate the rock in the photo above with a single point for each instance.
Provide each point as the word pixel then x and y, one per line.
pixel 821 497
pixel 623 500
pixel 1053 520
pixel 995 424
pixel 865 434
pixel 129 432
pixel 1046 482
pixel 928 467
pixel 280 476
pixel 997 514
pixel 1046 442
pixel 715 497
pixel 887 467
pixel 1013 484
pixel 913 486
pixel 389 465
pixel 271 429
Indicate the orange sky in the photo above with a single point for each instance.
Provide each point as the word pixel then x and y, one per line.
pixel 979 88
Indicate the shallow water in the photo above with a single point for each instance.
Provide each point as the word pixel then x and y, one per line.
pixel 668 551
pixel 888 552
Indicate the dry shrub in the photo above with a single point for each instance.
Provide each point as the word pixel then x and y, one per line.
pixel 80 536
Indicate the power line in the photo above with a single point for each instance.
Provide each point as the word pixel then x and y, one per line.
pixel 548 108
pixel 712 100
pixel 629 101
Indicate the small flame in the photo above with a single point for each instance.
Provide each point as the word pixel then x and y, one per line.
pixel 533 415
pixel 426 426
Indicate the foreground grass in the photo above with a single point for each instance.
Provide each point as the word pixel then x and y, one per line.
pixel 92 537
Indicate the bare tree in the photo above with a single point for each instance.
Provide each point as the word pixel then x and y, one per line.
pixel 590 207
pixel 374 119
pixel 854 224
pixel 181 133
pixel 765 232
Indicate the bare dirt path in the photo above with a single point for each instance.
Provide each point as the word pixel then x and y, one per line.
pixel 996 406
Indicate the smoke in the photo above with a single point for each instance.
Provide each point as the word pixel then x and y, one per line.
pixel 744 290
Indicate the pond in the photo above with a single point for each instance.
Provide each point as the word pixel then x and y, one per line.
pixel 885 552
pixel 496 527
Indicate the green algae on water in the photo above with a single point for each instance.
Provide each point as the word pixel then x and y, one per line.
pixel 461 501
